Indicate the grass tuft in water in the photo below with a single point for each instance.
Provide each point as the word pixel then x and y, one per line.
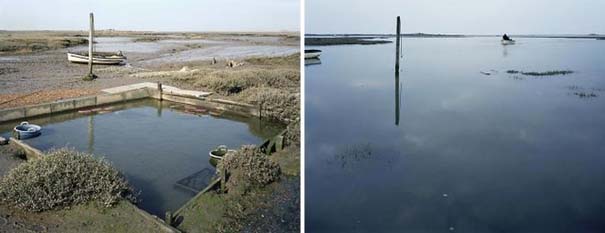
pixel 585 94
pixel 544 73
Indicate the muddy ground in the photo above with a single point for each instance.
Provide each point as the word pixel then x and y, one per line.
pixel 29 77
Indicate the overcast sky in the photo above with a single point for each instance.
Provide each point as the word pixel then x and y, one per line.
pixel 156 15
pixel 456 16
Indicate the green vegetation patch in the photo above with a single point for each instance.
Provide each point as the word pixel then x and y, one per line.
pixel 61 179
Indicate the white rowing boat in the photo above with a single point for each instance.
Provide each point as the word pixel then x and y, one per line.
pixel 102 58
pixel 312 53
pixel 508 42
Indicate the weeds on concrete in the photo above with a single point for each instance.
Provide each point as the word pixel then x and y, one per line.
pixel 292 134
pixel 62 179
pixel 277 104
pixel 247 169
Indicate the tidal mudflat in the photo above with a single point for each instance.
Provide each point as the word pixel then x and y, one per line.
pixel 444 147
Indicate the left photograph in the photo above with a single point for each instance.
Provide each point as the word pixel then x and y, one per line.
pixel 150 116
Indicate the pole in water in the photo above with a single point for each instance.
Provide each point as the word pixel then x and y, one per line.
pixel 90 75
pixel 398 44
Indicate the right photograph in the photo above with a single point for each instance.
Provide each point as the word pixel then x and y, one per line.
pixel 457 116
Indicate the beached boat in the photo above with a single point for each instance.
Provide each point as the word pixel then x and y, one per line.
pixel 102 58
pixel 26 130
pixel 507 42
pixel 220 152
pixel 312 53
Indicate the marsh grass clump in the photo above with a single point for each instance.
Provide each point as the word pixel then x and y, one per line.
pixel 230 82
pixel 247 169
pixel 34 44
pixel 545 73
pixel 62 179
pixel 585 94
pixel 548 73
pixel 512 71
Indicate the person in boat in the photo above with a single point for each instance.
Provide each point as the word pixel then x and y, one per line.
pixel 505 37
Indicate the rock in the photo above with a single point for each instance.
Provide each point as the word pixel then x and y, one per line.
pixel 3 141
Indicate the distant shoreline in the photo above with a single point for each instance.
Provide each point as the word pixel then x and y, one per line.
pixel 428 35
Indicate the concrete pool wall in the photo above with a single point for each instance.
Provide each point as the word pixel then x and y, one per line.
pixel 129 94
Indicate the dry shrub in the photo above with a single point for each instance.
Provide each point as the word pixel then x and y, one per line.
pixel 278 104
pixel 247 169
pixel 61 179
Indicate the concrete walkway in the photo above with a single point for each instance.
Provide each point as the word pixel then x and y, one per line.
pixel 166 89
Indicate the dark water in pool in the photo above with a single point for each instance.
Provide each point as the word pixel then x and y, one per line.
pixel 154 144
pixel 471 152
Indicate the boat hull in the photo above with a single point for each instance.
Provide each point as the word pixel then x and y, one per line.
pixel 507 42
pixel 312 53
pixel 26 130
pixel 110 59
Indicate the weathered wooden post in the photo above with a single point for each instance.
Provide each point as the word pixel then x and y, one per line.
pixel 398 44
pixel 397 70
pixel 90 75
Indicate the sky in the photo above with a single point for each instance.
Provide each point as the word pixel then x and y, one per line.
pixel 492 17
pixel 152 15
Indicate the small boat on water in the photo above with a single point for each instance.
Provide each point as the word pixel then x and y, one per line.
pixel 220 152
pixel 101 58
pixel 312 53
pixel 26 130
pixel 507 42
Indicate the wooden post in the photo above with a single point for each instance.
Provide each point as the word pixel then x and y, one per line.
pixel 90 75
pixel 398 43
pixel 90 42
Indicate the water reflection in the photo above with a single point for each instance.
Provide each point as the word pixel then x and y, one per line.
pixel 312 61
pixel 398 54
pixel 91 134
pixel 504 51
pixel 511 156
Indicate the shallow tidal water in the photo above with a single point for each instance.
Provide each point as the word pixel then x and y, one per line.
pixel 154 144
pixel 455 150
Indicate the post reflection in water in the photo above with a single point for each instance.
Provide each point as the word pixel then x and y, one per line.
pixel 91 134
pixel 398 55
pixel 397 95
